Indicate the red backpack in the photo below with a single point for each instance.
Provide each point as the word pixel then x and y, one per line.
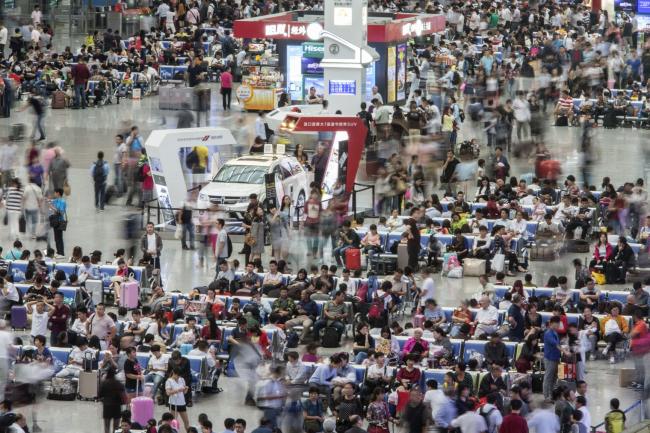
pixel 376 309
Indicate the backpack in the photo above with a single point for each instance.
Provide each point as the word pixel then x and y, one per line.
pixel 293 339
pixel 139 175
pixel 455 80
pixel 58 100
pixel 362 292
pixel 376 309
pixel 229 246
pixel 98 172
pixel 330 337
pixel 486 417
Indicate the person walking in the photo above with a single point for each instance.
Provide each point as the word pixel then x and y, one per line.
pixel 184 219
pixel 58 220
pixel 4 36
pixel 99 172
pixel 36 104
pixel 110 393
pixel 81 75
pixel 226 88
pixel 552 354
pixel 119 162
pixel 32 200
pixel 14 207
pixel 58 170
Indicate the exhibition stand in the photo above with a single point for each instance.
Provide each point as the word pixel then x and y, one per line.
pixel 300 56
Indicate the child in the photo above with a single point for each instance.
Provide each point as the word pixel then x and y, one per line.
pixel 615 418
pixel 576 425
pixel 311 353
pixel 434 396
pixel 528 281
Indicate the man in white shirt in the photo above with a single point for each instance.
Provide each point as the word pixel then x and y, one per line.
pixel 350 284
pixel 76 359
pixel 32 199
pixel 221 246
pixel 40 317
pixel 8 296
pixel 151 244
pixel 4 37
pixel 37 15
pixel 521 109
pixel 434 396
pixel 272 279
pixel 260 130
pixel 470 422
pixel 295 372
pixel 565 211
pixel 157 368
pixel 202 350
pixel 544 420
pixel 491 414
pixel 79 325
pixel 428 286
pixel 581 405
pixel 486 318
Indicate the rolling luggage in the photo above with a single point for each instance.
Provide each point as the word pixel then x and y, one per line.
pixel 353 259
pixel 562 121
pixel 89 385
pixel 402 256
pixel 473 267
pixel 418 321
pixel 130 294
pixel 18 317
pixel 141 408
pixel 577 246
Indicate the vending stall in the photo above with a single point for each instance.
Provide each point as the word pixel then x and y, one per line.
pixel 300 56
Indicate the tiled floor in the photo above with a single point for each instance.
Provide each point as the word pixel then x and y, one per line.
pixel 84 132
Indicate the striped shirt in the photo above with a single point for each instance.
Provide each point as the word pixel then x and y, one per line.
pixel 566 102
pixel 14 200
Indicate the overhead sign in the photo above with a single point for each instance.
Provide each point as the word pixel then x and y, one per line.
pixel 313 50
pixel 311 66
pixel 285 30
pixel 416 28
pixel 342 87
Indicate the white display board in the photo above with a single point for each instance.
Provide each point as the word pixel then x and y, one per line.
pixel 167 150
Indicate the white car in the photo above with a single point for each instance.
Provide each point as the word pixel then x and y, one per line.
pixel 274 118
pixel 237 179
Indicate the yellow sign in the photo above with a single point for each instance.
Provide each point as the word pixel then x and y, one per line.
pixel 261 98
pixel 391 73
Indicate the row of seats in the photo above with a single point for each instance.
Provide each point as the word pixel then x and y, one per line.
pixel 71 295
pixel 610 295
pixel 17 269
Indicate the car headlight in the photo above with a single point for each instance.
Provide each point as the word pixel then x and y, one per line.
pixel 203 197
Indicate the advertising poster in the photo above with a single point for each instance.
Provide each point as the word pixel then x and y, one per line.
pixel 643 7
pixel 401 71
pixel 391 73
pixel 343 161
pixel 370 80
pixel 269 182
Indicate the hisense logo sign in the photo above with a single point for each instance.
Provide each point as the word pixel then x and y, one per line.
pixel 313 50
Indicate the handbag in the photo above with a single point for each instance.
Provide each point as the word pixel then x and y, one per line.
pixel 178 234
pixel 249 240
pixel 498 262
pixel 66 188
pixel 599 278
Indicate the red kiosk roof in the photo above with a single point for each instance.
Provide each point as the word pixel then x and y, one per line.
pixel 285 25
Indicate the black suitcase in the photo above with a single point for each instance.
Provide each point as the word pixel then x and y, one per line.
pixel 330 337
pixel 537 382
pixel 111 193
pixel 22 224
pixel 562 121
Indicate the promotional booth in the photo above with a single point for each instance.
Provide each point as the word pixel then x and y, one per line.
pixel 168 152
pixel 300 56
pixel 344 138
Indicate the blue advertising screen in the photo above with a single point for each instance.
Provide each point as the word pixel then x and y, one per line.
pixel 643 7
pixel 342 87
pixel 311 66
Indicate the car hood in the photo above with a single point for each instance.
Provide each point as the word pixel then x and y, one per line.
pixel 231 189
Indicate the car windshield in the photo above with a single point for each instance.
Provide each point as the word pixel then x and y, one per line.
pixel 241 174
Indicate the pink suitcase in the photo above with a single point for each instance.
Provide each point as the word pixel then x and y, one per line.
pixel 130 294
pixel 142 410
pixel 418 321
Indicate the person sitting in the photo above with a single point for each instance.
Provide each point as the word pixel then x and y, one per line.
pixel 603 252
pixel 324 374
pixel 432 312
pixel 371 242
pixel 641 297
pixel 496 352
pixel 461 320
pixel 409 375
pixel 156 369
pixel 562 295
pixel 564 107
pixel 416 345
pixel 348 238
pixel 459 246
pixel 335 313
pixel 283 308
pixel 486 320
pixel 481 245
pixel 76 359
pixel 614 329
pixel 272 280
pixel 581 219
pixel 296 373
pixel 493 382
pixel 589 295
pixel 443 355
pixel 623 257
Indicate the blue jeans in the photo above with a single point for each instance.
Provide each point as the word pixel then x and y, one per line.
pixel 156 379
pixel 80 95
pixel 322 323
pixel 188 228
pixel 31 221
pixel 100 195
pixel 339 253
pixel 360 357
pixel 272 415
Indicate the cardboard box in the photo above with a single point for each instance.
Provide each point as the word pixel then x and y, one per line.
pixel 626 376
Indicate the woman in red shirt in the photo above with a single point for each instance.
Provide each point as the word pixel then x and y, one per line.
pixel 409 375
